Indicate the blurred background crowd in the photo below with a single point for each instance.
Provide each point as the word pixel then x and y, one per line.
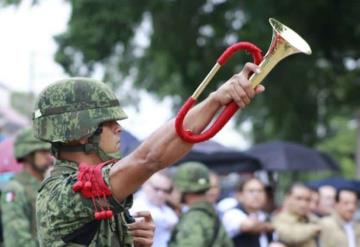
pixel 247 198
pixel 253 205
pixel 322 213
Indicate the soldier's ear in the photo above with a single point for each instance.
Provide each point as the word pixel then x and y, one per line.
pixel 84 140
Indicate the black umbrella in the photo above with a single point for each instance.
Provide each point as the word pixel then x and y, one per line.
pixel 337 182
pixel 221 159
pixel 287 156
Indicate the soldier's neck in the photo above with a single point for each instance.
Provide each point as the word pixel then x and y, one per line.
pixel 194 198
pixel 81 157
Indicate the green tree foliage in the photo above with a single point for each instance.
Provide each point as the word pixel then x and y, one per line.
pixel 14 2
pixel 340 144
pixel 186 37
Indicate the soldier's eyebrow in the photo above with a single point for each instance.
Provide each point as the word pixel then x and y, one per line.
pixel 112 124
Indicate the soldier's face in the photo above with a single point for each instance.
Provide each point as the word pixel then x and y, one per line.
pixel 42 160
pixel 109 137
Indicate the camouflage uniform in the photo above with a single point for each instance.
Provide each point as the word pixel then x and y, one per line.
pixel 18 197
pixel 200 226
pixel 18 207
pixel 69 110
pixel 63 215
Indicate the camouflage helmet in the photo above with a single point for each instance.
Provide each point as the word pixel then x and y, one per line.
pixel 73 108
pixel 25 143
pixel 192 177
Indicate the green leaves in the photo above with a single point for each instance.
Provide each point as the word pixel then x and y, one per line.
pixel 167 47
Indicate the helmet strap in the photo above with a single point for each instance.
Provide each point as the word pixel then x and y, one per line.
pixel 91 146
pixel 56 147
pixel 94 140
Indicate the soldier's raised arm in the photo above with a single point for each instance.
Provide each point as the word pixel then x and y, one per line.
pixel 164 147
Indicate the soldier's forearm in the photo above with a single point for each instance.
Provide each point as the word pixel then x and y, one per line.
pixel 158 151
pixel 164 146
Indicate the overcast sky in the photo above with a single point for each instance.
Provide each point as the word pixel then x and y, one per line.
pixel 27 46
pixel 26 63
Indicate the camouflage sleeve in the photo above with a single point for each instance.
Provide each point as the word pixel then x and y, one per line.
pixel 16 223
pixel 192 230
pixel 60 211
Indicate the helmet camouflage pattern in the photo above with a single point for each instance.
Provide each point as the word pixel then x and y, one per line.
pixel 25 143
pixel 73 108
pixel 192 177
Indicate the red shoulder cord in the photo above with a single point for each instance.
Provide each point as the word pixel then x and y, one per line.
pixel 91 184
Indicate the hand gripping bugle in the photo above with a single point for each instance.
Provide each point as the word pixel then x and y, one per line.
pixel 284 42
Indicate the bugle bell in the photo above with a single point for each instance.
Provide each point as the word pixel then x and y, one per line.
pixel 285 42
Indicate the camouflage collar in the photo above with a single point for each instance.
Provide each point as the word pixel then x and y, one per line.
pixel 204 205
pixel 64 166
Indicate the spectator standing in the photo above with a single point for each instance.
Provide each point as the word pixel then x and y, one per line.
pixel 314 203
pixel 295 225
pixel 153 198
pixel 340 229
pixel 247 222
pixel 326 200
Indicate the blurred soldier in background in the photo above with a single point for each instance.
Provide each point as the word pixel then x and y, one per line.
pixel 19 196
pixel 200 225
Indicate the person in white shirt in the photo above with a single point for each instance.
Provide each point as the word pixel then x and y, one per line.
pixel 153 197
pixel 340 228
pixel 247 223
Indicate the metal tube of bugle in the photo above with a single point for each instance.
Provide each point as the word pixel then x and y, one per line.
pixel 285 42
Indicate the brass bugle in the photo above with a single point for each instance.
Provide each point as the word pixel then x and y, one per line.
pixel 284 43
